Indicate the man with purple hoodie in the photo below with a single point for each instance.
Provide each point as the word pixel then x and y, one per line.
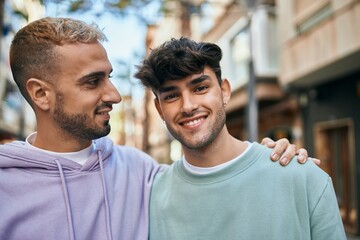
pixel 67 180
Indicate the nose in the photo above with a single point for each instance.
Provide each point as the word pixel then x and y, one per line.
pixel 189 104
pixel 111 94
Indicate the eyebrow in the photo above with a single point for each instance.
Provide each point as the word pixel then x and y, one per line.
pixel 93 74
pixel 191 83
pixel 198 80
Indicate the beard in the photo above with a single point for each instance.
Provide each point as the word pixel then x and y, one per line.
pixel 201 140
pixel 79 125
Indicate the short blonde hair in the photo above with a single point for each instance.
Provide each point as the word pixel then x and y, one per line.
pixel 32 52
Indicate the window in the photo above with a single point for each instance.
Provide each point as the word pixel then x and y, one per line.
pixel 240 54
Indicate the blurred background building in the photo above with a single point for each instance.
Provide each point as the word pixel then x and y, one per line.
pixel 16 117
pixel 294 67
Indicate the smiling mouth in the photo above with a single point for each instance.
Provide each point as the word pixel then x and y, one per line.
pixel 103 109
pixel 193 122
pixel 102 113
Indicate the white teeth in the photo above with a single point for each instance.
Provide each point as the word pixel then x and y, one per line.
pixel 192 122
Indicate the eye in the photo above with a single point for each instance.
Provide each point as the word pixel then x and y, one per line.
pixel 170 97
pixel 93 82
pixel 201 88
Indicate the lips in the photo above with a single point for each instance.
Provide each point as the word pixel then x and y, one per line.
pixel 192 122
pixel 103 113
pixel 103 110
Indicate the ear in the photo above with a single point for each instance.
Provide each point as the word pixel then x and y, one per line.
pixel 39 92
pixel 158 107
pixel 226 90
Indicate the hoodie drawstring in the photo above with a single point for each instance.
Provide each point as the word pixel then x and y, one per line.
pixel 107 209
pixel 67 201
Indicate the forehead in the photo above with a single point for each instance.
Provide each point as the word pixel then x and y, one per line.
pixel 82 58
pixel 206 74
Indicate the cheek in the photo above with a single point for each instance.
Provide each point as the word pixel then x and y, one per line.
pixel 76 105
pixel 214 100
pixel 207 101
pixel 169 112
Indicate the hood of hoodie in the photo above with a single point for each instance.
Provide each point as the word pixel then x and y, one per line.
pixel 18 154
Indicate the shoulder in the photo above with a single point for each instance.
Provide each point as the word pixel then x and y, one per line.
pixel 122 152
pixel 130 159
pixel 168 172
pixel 15 149
pixel 294 166
pixel 307 174
pixel 133 155
pixel 126 155
pixel 306 181
pixel 13 145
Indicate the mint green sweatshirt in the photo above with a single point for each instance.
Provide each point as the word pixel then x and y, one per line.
pixel 251 199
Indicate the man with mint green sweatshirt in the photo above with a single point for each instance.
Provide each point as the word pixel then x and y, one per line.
pixel 223 188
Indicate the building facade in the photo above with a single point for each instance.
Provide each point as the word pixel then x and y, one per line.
pixel 320 63
pixel 17 119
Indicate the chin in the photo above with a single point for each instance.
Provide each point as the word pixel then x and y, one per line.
pixel 195 145
pixel 98 133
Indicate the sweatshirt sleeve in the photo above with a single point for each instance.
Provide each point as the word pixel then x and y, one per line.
pixel 326 223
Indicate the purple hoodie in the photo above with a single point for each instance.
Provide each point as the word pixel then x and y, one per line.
pixel 47 197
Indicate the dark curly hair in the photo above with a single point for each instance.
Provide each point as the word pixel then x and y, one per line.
pixel 177 59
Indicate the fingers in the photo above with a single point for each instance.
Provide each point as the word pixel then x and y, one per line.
pixel 287 151
pixel 268 142
pixel 302 155
pixel 316 161
pixel 288 154
pixel 284 149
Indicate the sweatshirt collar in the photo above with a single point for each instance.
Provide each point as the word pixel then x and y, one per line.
pixel 79 157
pixel 243 162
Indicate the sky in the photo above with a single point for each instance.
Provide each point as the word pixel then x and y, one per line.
pixel 126 41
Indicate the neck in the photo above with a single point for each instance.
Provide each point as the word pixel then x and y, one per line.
pixel 223 149
pixel 55 142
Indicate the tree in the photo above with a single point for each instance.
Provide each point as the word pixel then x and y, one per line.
pixel 122 8
pixel 138 8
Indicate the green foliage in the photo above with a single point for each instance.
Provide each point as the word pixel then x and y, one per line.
pixel 22 14
pixel 142 9
pixel 138 8
pixel 76 5
pixel 121 4
pixel 85 5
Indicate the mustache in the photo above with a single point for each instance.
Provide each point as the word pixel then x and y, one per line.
pixel 103 106
pixel 190 114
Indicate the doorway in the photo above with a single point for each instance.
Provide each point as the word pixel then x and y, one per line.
pixel 334 146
